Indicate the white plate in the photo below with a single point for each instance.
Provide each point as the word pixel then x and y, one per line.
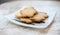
pixel 51 13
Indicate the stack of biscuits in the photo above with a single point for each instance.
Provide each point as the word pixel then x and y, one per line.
pixel 29 15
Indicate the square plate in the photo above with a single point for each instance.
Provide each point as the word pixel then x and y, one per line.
pixel 50 12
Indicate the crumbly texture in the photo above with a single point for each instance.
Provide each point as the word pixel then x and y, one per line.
pixel 29 15
pixel 44 14
pixel 18 15
pixel 26 20
pixel 28 12
pixel 39 17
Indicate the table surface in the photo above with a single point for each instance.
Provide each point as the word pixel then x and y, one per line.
pixel 8 28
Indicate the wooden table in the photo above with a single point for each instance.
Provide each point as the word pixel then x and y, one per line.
pixel 8 28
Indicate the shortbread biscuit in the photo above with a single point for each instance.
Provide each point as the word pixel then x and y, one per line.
pixel 26 20
pixel 18 15
pixel 39 17
pixel 28 12
pixel 44 14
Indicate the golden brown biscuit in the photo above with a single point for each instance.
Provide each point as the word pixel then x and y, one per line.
pixel 26 20
pixel 18 15
pixel 28 12
pixel 44 14
pixel 39 17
